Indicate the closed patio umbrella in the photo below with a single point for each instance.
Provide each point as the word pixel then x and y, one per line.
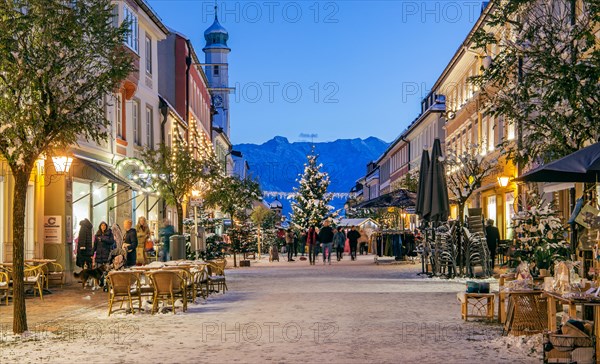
pixel 436 205
pixel 423 173
pixel 581 166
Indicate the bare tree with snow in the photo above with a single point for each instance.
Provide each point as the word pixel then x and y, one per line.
pixel 58 58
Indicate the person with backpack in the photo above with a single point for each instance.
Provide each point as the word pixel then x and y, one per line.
pixel 326 239
pixel 339 239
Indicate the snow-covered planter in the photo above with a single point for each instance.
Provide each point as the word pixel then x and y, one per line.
pixel 540 234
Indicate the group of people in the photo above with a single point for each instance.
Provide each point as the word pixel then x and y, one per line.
pixel 120 248
pixel 324 239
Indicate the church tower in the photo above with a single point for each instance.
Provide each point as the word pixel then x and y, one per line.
pixel 216 52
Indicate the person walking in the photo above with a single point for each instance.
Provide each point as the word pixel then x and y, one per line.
pixel 103 243
pixel 302 243
pixel 130 243
pixel 326 239
pixel 363 242
pixel 165 233
pixel 296 243
pixel 143 235
pixel 311 240
pixel 353 236
pixel 492 236
pixel 339 239
pixel 289 242
pixel 281 240
pixel 85 244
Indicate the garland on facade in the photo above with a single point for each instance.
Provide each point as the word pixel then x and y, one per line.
pixel 293 195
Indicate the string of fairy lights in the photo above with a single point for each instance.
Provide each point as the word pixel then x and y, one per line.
pixel 141 174
pixel 292 195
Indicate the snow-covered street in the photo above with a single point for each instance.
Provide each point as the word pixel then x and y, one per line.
pixel 349 312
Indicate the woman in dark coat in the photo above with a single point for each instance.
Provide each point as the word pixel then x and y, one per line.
pixel 85 244
pixel 103 243
pixel 130 242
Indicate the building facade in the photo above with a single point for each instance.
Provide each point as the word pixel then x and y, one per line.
pixel 98 186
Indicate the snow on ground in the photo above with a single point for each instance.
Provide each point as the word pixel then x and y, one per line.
pixel 349 312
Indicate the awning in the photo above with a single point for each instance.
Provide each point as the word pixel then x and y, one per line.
pixel 580 166
pixel 105 171
pixel 400 198
pixel 553 187
pixel 356 222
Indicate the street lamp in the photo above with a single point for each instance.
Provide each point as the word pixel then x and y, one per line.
pixel 503 181
pixel 62 164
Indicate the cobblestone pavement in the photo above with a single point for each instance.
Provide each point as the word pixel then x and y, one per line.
pixel 346 312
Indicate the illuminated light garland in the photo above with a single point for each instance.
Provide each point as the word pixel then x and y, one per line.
pixel 292 195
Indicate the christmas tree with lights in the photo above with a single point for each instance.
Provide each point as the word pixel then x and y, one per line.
pixel 311 200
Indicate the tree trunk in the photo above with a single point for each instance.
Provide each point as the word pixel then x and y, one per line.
pixel 461 248
pixel 179 208
pixel 232 241
pixel 20 194
pixel 461 214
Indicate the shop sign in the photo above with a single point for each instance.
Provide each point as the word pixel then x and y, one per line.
pixel 52 229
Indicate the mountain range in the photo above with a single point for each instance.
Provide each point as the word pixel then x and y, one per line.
pixel 277 163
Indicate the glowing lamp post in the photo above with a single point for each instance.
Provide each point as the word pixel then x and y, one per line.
pixel 503 181
pixel 62 164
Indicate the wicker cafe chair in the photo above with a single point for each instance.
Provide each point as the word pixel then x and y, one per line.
pixel 125 285
pixel 146 288
pixel 168 284
pixel 33 278
pixel 201 282
pixel 4 286
pixel 55 273
pixel 222 263
pixel 188 281
pixel 216 278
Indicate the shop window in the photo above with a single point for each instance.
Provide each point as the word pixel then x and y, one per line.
pixel 81 204
pixel 99 206
pixel 509 211
pixel 491 209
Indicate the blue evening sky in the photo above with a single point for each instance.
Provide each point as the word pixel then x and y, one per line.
pixel 339 69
